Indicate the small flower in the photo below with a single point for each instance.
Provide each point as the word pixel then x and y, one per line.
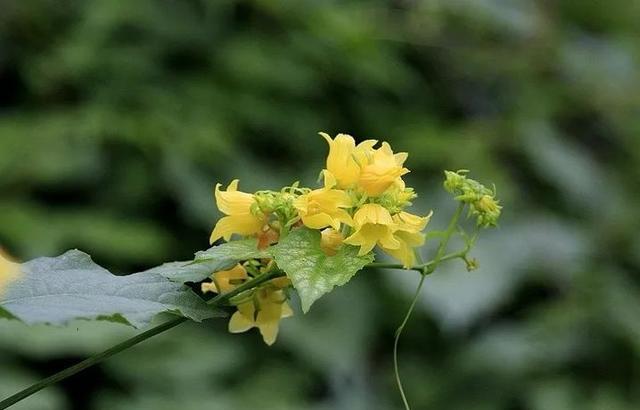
pixel 382 169
pixel 226 280
pixel 330 241
pixel 373 225
pixel 266 309
pixel 9 270
pixel 345 157
pixel 238 207
pixel 324 207
pixel 409 234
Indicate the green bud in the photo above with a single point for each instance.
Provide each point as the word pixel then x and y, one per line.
pixel 395 200
pixel 454 181
pixel 481 200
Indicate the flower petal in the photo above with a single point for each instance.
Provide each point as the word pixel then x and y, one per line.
pixel 239 323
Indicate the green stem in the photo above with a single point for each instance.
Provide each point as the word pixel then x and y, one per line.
pixel 445 241
pixel 397 340
pixel 425 269
pixel 100 357
pixel 92 361
pixel 384 265
pixel 418 268
pixel 250 284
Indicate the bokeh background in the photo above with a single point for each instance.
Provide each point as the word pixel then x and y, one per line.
pixel 118 117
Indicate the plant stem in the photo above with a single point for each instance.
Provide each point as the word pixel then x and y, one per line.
pixel 425 269
pixel 397 340
pixel 250 284
pixel 417 268
pixel 100 357
pixel 445 241
pixel 384 265
pixel 91 361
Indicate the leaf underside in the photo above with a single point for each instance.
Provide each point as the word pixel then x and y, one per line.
pixel 71 286
pixel 312 272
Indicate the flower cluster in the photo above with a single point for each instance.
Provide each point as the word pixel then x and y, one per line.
pixel 481 200
pixel 361 203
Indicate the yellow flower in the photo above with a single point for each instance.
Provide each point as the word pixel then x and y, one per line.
pixel 330 241
pixel 408 234
pixel 268 306
pixel 239 220
pixel 323 207
pixel 373 225
pixel 345 157
pixel 9 270
pixel 265 308
pixel 382 169
pixel 226 280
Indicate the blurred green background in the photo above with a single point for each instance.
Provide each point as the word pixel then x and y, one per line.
pixel 118 117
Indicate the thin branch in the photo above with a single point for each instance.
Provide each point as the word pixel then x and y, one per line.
pixel 396 340
pixel 425 269
pixel 91 361
pixel 418 268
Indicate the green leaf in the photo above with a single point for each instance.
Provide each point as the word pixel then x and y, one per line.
pixel 190 271
pixel 71 286
pixel 236 250
pixel 217 258
pixel 312 272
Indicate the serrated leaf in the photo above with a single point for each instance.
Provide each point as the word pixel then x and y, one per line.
pixel 312 272
pixel 71 286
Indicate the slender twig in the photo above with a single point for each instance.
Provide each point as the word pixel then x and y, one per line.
pixel 91 361
pixel 384 265
pixel 218 301
pixel 421 267
pixel 445 240
pixel 425 269
pixel 396 340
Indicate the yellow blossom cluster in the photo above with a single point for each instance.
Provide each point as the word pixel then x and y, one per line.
pixel 361 203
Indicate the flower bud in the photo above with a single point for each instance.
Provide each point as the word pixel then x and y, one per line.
pixel 481 200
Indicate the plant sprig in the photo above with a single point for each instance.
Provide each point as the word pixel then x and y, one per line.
pixel 297 239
